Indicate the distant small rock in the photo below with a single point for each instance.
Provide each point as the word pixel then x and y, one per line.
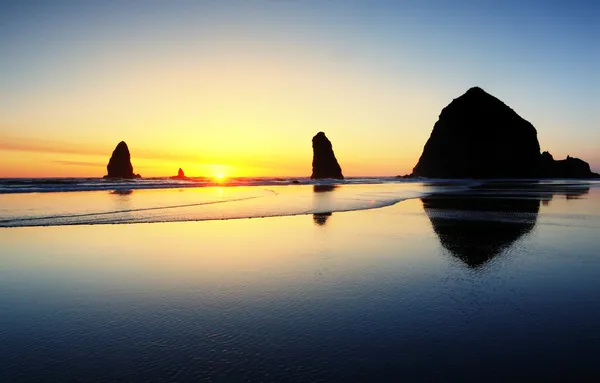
pixel 324 164
pixel 180 175
pixel 119 165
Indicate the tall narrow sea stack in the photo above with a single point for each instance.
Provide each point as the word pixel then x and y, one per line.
pixel 119 165
pixel 324 164
pixel 478 136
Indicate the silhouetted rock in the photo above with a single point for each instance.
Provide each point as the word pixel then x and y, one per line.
pixel 478 136
pixel 546 156
pixel 572 168
pixel 119 165
pixel 324 164
pixel 180 175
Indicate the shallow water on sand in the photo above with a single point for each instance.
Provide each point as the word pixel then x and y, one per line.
pixel 497 283
pixel 205 203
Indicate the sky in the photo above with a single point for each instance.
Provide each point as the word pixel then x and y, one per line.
pixel 241 87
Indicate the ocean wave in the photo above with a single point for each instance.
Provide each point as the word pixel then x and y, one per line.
pixel 53 185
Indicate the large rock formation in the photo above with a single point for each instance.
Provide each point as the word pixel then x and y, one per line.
pixel 324 164
pixel 478 136
pixel 119 165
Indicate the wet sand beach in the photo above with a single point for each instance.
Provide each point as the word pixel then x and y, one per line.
pixel 496 283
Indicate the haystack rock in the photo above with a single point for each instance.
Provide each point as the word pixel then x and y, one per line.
pixel 478 136
pixel 324 164
pixel 119 165
pixel 180 175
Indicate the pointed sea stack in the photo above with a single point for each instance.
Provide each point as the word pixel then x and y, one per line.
pixel 119 165
pixel 180 175
pixel 324 164
pixel 478 136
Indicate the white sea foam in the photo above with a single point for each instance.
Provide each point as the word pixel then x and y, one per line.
pixel 41 185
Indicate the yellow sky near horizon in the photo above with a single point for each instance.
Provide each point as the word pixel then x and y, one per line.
pixel 255 120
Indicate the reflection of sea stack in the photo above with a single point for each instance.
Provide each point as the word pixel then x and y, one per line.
pixel 475 230
pixel 324 188
pixel 324 163
pixel 119 165
pixel 320 219
pixel 478 136
pixel 180 175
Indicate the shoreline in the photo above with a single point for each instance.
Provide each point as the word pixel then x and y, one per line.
pixel 225 203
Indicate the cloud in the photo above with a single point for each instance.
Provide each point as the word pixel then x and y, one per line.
pixel 12 143
pixel 79 163
pixel 45 146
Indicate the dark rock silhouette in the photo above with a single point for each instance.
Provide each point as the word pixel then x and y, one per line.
pixel 568 168
pixel 119 165
pixel 180 175
pixel 476 226
pixel 478 136
pixel 324 164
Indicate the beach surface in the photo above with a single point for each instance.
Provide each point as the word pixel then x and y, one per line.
pixel 462 282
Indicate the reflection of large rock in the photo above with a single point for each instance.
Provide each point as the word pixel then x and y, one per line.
pixel 474 229
pixel 119 165
pixel 324 163
pixel 478 136
pixel 477 225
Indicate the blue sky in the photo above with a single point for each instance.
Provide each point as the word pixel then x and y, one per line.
pixel 369 73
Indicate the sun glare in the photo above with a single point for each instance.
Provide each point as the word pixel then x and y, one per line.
pixel 219 177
